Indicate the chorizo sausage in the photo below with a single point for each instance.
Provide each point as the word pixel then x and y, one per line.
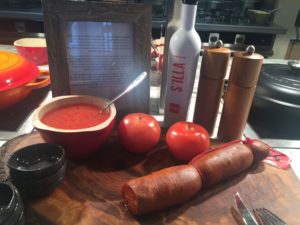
pixel 259 149
pixel 174 185
pixel 227 160
pixel 217 165
pixel 161 189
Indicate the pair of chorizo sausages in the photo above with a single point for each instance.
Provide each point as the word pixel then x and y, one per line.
pixel 175 185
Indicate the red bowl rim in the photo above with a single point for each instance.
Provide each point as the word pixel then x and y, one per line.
pixel 57 102
pixel 32 41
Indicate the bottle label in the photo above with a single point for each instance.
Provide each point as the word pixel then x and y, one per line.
pixel 177 76
pixel 180 82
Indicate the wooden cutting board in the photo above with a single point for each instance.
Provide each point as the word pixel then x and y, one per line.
pixel 90 192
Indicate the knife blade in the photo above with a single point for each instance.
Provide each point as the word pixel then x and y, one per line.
pixel 248 217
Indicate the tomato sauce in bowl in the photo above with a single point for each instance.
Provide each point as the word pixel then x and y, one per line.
pixel 82 130
pixel 75 116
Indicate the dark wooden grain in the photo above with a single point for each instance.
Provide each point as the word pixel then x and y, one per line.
pixel 56 15
pixel 90 193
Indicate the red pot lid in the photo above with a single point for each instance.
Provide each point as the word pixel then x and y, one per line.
pixel 15 70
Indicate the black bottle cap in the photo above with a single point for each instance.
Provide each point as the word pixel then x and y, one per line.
pixel 190 2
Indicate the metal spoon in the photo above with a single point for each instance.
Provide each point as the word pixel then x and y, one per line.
pixel 132 85
pixel 274 10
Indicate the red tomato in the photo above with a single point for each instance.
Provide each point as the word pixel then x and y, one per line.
pixel 139 132
pixel 185 140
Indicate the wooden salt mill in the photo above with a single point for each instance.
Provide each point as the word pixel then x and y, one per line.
pixel 210 88
pixel 243 77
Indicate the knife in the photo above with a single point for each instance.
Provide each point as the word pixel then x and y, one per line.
pixel 248 217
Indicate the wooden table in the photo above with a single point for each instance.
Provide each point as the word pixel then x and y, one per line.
pixel 90 192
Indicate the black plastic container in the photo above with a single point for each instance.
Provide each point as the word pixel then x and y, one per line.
pixel 36 161
pixel 36 170
pixel 8 201
pixel 11 205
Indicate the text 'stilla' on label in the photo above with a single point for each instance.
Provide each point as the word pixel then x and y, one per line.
pixel 178 74
pixel 177 81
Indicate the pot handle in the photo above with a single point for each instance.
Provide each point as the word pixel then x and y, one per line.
pixel 43 83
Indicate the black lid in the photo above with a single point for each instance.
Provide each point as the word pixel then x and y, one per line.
pixel 190 2
pixel 279 83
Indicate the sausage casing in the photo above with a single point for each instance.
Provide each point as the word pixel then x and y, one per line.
pixel 259 149
pixel 161 189
pixel 217 165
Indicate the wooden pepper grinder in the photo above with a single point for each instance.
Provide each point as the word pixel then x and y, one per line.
pixel 210 88
pixel 242 83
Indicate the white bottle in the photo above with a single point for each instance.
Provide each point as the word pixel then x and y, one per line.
pixel 172 27
pixel 184 51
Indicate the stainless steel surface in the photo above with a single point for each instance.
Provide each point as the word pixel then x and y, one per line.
pixel 132 85
pixel 275 143
pixel 248 218
pixel 283 143
pixel 26 127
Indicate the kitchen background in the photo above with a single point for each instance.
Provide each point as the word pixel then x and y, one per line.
pixel 224 19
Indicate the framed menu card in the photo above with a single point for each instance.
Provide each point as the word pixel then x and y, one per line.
pixel 98 48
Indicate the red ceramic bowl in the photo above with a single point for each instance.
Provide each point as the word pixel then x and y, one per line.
pixel 33 49
pixel 78 143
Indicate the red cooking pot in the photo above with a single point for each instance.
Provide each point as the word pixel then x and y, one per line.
pixel 18 77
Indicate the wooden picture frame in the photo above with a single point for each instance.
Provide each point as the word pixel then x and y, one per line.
pixel 98 48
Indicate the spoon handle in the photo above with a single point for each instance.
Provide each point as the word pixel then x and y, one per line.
pixel 132 85
pixel 274 10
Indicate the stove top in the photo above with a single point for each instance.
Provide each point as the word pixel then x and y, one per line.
pixel 17 119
